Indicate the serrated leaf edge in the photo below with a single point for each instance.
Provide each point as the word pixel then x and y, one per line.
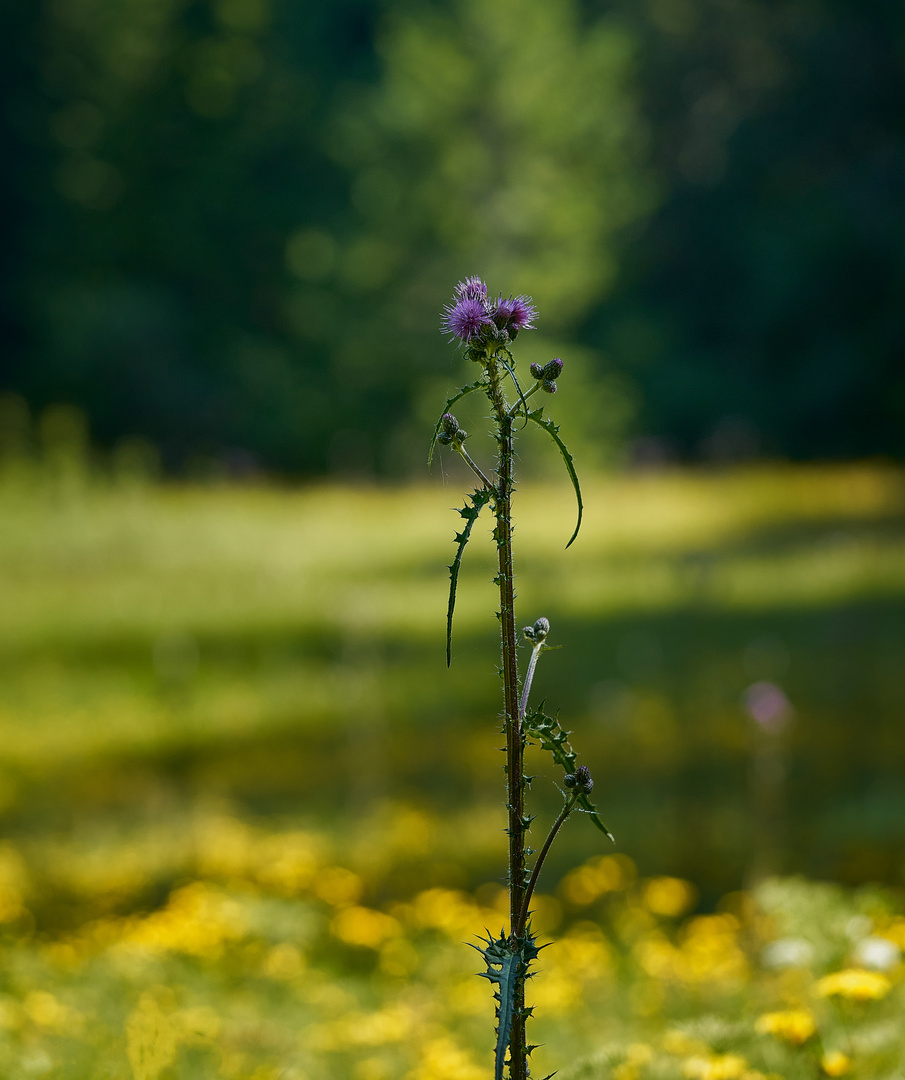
pixel 479 500
pixel 554 740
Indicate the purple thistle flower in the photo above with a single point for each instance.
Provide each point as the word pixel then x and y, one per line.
pixel 465 319
pixel 516 313
pixel 471 289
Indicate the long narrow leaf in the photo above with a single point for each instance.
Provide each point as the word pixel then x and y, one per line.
pixel 479 500
pixel 463 390
pixel 553 431
pixel 552 738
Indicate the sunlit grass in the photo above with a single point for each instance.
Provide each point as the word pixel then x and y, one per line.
pixel 149 572
pixel 205 559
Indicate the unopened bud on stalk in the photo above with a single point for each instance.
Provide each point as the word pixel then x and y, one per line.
pixel 548 386
pixel 580 779
pixel 450 432
pixel 539 631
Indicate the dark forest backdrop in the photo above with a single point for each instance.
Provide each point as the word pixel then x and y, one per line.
pixel 229 225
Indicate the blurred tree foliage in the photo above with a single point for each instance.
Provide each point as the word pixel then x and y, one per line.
pixel 761 309
pixel 230 223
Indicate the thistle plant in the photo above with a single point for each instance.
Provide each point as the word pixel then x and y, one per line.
pixel 487 328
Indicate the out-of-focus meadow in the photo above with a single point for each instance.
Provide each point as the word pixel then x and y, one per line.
pixel 251 818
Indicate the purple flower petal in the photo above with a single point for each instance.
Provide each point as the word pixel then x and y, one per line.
pixel 515 313
pixel 465 319
pixel 471 288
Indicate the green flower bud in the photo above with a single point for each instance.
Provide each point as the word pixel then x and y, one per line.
pixel 548 386
pixel 449 424
pixel 580 779
pixel 538 632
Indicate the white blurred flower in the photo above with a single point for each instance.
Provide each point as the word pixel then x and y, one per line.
pixel 789 952
pixel 877 953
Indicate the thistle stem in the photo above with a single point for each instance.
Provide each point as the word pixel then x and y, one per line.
pixel 475 468
pixel 535 873
pixel 513 720
pixel 534 389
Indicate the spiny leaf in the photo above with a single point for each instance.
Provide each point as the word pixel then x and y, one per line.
pixel 502 969
pixel 507 968
pixel 553 431
pixel 479 500
pixel 462 391
pixel 552 738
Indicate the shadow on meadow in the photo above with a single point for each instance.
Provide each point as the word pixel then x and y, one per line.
pixel 659 701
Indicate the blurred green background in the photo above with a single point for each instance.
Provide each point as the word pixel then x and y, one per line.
pixel 229 229
pixel 228 225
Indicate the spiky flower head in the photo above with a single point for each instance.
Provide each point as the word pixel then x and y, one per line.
pixel 465 319
pixel 472 288
pixel 514 314
pixel 471 317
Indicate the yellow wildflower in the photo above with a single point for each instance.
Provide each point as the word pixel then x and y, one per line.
pixel 677 1042
pixel 835 1063
pixel 669 896
pixel 602 874
pixel 198 920
pixel 794 1026
pixel 856 984
pixel 715 1067
pixel 639 1054
pixel 364 926
pixel 45 1010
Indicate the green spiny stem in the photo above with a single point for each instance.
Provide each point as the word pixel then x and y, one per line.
pixel 535 874
pixel 514 741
